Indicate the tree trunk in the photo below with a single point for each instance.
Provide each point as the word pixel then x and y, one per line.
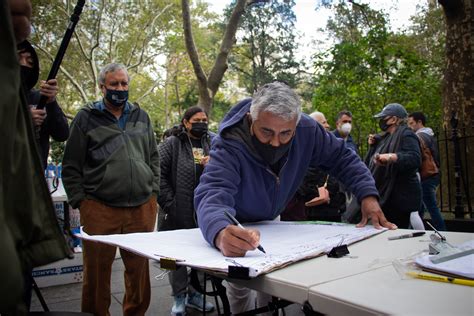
pixel 458 84
pixel 208 86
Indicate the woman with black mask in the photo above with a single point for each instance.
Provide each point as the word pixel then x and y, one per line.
pixel 183 156
pixel 394 159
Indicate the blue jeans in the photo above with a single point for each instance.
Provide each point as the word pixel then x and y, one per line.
pixel 429 187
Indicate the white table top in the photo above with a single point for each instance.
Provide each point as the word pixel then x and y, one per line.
pixel 382 291
pixel 298 282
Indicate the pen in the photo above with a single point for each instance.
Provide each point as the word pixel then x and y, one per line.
pixel 326 182
pixel 439 278
pixel 236 222
pixel 415 234
pixel 437 232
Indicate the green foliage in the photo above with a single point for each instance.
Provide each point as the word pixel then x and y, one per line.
pixel 266 46
pixel 146 36
pixel 56 152
pixel 370 67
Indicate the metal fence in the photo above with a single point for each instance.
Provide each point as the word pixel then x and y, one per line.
pixel 456 148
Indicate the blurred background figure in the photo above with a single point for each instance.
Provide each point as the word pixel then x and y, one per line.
pixel 321 119
pixel 429 185
pixel 318 198
pixel 183 156
pixel 50 121
pixel 344 128
pixel 394 158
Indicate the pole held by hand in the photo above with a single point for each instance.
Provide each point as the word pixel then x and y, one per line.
pixel 62 49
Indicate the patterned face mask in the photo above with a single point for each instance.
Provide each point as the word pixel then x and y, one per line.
pixel 116 97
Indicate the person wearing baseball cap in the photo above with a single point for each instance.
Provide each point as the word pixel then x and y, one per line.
pixel 394 159
pixel 392 109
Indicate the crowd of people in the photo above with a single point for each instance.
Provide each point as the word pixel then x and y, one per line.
pixel 268 161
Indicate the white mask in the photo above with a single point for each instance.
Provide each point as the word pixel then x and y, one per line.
pixel 346 128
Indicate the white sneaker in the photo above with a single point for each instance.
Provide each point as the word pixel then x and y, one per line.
pixel 196 301
pixel 179 306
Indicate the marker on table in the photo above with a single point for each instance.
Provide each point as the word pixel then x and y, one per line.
pixel 236 223
pixel 439 278
pixel 415 234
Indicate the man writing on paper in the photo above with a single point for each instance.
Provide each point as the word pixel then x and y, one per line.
pixel 258 160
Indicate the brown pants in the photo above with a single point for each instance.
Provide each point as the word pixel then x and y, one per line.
pixel 100 219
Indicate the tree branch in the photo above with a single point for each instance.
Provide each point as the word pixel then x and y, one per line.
pixel 156 83
pixel 147 38
pixel 68 75
pixel 191 48
pixel 220 65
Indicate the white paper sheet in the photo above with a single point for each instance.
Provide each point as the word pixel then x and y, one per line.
pixel 462 266
pixel 284 242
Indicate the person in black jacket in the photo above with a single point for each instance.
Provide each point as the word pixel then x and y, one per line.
pixel 394 158
pixel 319 197
pixel 51 120
pixel 183 156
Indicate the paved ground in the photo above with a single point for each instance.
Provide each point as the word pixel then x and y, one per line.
pixel 68 297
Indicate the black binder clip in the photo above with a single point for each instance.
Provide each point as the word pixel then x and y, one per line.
pixel 168 263
pixel 338 251
pixel 237 271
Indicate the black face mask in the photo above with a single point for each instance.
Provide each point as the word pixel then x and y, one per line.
pixel 269 153
pixel 116 97
pixel 29 77
pixel 198 129
pixel 383 124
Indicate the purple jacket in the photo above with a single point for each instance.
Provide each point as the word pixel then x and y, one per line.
pixel 237 180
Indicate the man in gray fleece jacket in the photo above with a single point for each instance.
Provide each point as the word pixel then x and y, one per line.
pixel 111 172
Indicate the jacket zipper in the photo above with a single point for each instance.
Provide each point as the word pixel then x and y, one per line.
pixel 277 187
pixel 195 180
pixel 124 136
pixel 131 172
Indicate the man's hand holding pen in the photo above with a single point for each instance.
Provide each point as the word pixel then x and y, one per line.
pixel 234 241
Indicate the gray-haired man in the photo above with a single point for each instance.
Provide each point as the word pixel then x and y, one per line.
pixel 111 172
pixel 261 154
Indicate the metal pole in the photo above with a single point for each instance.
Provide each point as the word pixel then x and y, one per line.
pixel 62 48
pixel 448 168
pixel 459 207
pixel 465 179
pixel 438 141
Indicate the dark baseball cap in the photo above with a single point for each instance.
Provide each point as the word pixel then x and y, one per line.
pixel 393 109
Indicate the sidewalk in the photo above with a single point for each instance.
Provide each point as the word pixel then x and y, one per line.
pixel 68 297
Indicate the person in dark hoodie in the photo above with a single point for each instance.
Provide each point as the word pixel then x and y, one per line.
pixel 111 172
pixel 183 156
pixel 258 159
pixel 51 120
